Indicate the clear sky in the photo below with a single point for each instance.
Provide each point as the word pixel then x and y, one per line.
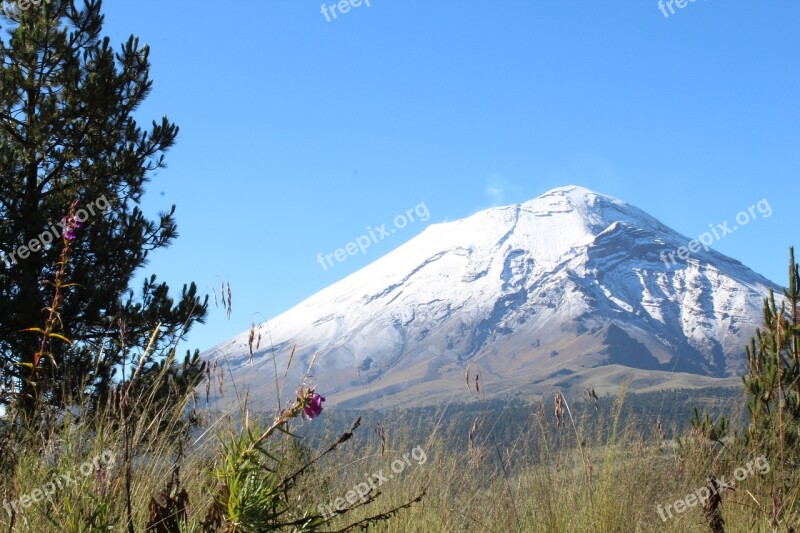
pixel 298 133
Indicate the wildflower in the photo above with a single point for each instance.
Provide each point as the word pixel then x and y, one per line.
pixel 313 408
pixel 72 224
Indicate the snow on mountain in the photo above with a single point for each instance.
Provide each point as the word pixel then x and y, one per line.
pixel 550 292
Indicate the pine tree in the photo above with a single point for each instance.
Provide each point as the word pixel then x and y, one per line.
pixel 773 389
pixel 67 134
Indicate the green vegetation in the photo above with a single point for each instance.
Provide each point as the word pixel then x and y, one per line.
pixel 71 153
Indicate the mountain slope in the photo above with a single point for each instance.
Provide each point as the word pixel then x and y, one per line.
pixel 546 293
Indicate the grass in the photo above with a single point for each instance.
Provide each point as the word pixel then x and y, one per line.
pixel 593 473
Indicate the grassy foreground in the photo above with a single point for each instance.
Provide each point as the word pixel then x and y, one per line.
pixel 568 470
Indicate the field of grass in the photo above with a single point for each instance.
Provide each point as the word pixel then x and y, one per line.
pixel 588 467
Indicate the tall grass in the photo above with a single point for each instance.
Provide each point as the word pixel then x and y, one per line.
pixel 607 478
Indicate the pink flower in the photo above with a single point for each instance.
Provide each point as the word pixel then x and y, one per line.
pixel 314 406
pixel 72 224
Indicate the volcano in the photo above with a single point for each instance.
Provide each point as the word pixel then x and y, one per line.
pixel 569 289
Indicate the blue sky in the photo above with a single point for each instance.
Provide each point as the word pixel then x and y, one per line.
pixel 298 133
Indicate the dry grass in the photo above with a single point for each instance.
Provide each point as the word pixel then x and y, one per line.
pixel 599 480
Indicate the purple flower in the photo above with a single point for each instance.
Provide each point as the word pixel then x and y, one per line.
pixel 72 224
pixel 314 406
